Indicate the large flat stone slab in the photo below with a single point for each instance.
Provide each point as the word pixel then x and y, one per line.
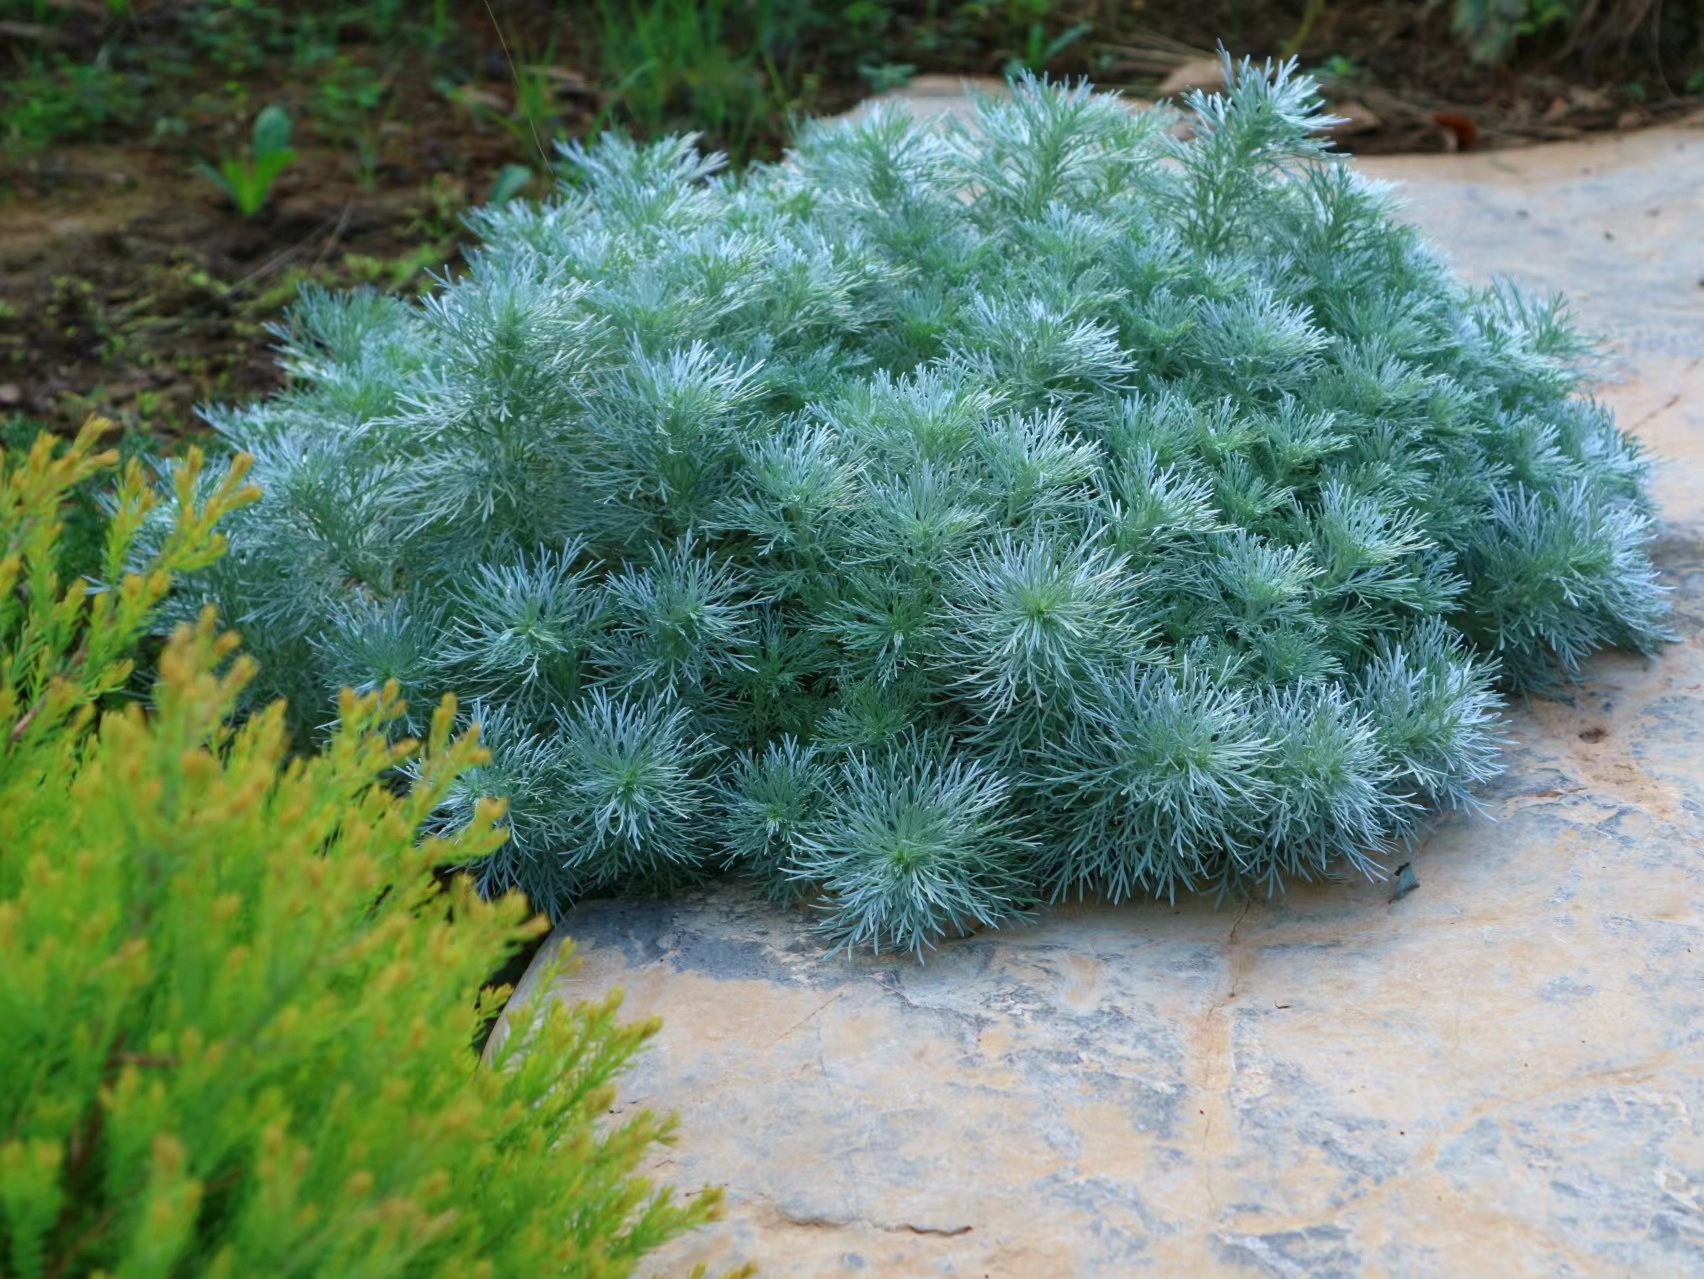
pixel 1500 1073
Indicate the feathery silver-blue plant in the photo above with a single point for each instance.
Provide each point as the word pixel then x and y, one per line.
pixel 946 519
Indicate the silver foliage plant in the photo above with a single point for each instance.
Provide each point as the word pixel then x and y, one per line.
pixel 944 520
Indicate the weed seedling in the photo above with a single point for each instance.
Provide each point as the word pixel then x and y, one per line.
pixel 351 105
pixel 248 182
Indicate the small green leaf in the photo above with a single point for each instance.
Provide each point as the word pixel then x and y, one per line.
pixel 510 181
pixel 266 168
pixel 217 178
pixel 271 131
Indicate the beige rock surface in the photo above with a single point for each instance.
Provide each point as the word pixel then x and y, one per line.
pixel 1206 74
pixel 1500 1074
pixel 932 97
pixel 1355 118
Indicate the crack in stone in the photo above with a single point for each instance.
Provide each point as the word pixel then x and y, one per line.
pixel 1216 1049
pixel 820 1221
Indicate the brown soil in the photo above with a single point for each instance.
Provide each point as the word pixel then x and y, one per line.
pixel 1402 60
pixel 131 288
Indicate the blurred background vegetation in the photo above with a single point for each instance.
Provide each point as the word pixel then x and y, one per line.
pixel 173 171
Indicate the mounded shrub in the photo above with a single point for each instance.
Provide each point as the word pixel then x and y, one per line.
pixel 940 521
pixel 236 1020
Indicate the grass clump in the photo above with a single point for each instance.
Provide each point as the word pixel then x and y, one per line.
pixel 942 521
